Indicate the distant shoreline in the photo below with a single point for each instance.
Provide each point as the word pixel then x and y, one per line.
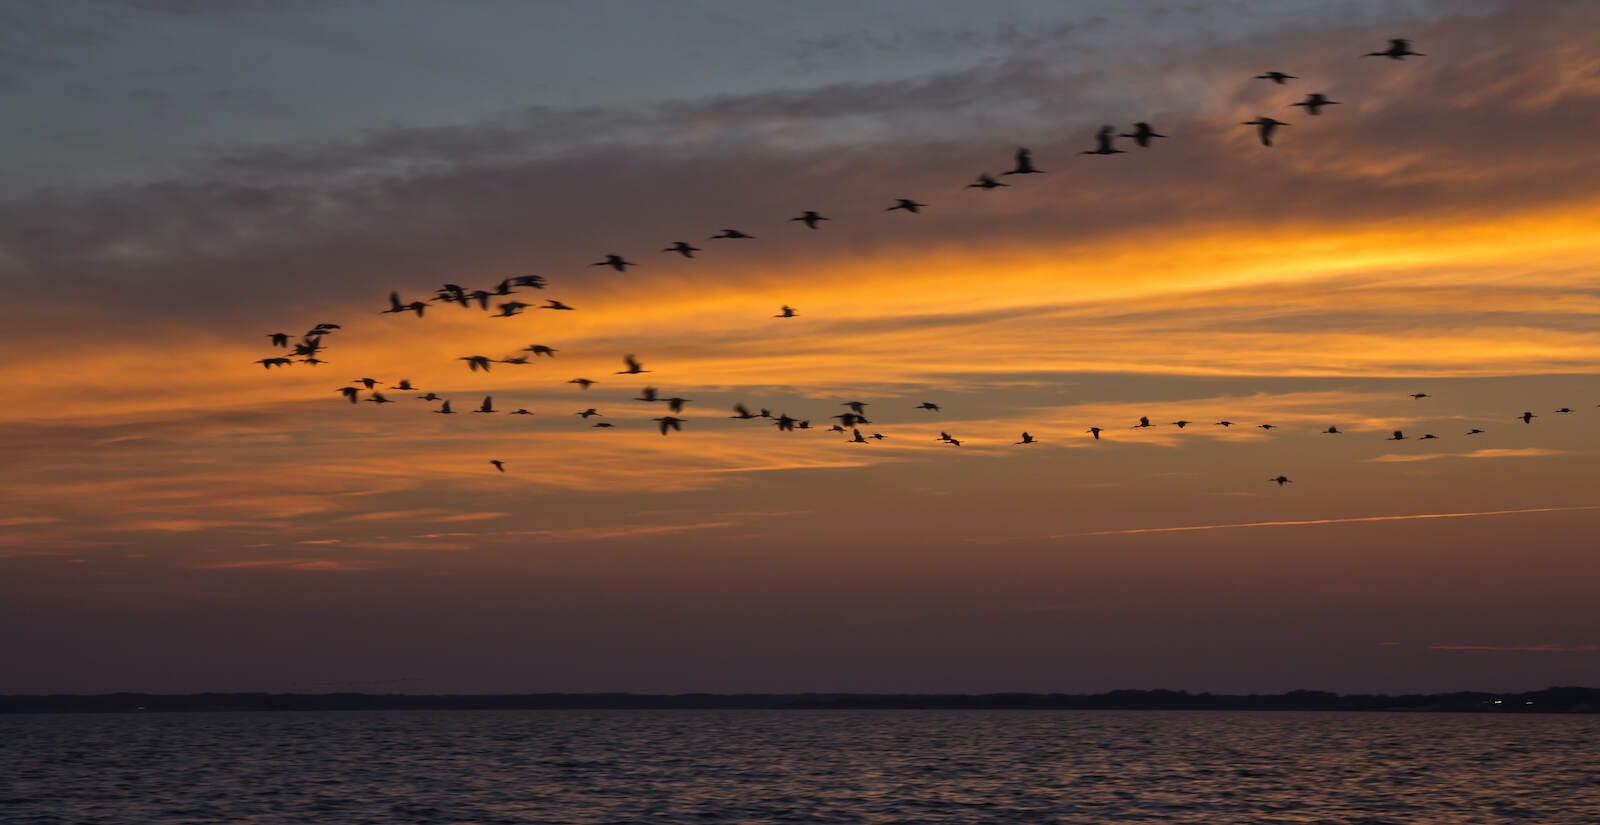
pixel 1549 700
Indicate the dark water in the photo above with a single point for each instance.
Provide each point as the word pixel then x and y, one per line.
pixel 799 766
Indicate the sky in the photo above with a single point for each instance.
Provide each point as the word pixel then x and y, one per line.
pixel 182 178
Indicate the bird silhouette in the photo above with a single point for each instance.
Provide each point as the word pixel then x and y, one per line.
pixel 352 394
pixel 1420 395
pixel 1144 421
pixel 605 425
pixel 405 385
pixel 1276 77
pixel 1398 436
pixel 740 411
pixel 1142 134
pixel 857 438
pixel 1223 424
pixel 785 424
pixel 906 204
pixel 647 394
pixel 1474 431
pixel 1527 417
pixel 510 308
pixel 1399 49
pixel 615 262
pixel 682 248
pixel 487 406
pixel 541 349
pixel 1265 126
pixel 380 398
pixel 269 363
pixel 634 367
pixel 929 406
pixel 279 339
pixel 1281 480
pixel 1180 424
pixel 786 312
pixel 1024 165
pixel 1563 410
pixel 1095 431
pixel 551 303
pixel 582 382
pixel 432 396
pixel 529 281
pixel 810 218
pixel 1026 439
pixel 1314 103
pixel 498 464
pixel 986 181
pixel 857 407
pixel 669 423
pixel 444 409
pixel 587 414
pixel 1332 431
pixel 1103 143
pixel 476 362
pixel 676 404
pixel 731 234
pixel 520 411
pixel 1427 436
pixel 1268 426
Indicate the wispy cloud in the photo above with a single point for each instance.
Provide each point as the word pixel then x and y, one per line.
pixel 1322 521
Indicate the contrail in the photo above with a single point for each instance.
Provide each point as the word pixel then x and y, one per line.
pixel 1353 520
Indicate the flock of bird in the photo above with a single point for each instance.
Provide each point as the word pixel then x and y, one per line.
pixel 502 298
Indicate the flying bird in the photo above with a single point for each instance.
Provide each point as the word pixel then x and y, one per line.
pixel 731 234
pixel 669 422
pixel 1399 49
pixel 1281 480
pixel 741 411
pixel 1223 424
pixel 551 303
pixel 1024 164
pixel 615 262
pixel 1142 133
pixel 1144 421
pixel 540 349
pixel 1095 431
pixel 1103 143
pixel 675 404
pixel 647 394
pixel 786 312
pixel 1265 126
pixel 1026 439
pixel 1180 424
pixel 1276 77
pixel 1420 395
pixel 587 414
pixel 1527 417
pixel 476 362
pixel 1314 103
pixel 986 181
pixel 444 409
pixel 498 464
pixel 529 281
pixel 487 406
pixel 906 204
pixel 1332 431
pixel 380 398
pixel 634 367
pixel 1398 436
pixel 269 363
pixel 682 248
pixel 929 406
pixel 520 411
pixel 351 393
pixel 582 382
pixel 279 339
pixel 810 218
pixel 1474 431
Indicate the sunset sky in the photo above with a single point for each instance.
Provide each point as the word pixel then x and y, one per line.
pixel 182 178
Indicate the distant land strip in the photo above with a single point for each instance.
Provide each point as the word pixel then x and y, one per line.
pixel 1549 700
